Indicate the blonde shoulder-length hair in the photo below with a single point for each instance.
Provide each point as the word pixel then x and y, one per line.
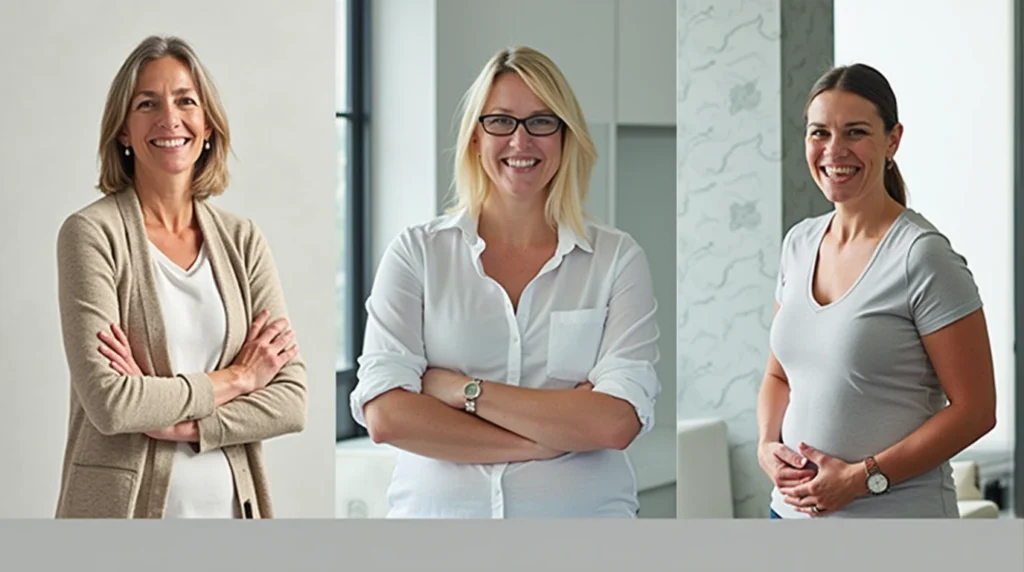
pixel 210 176
pixel 570 184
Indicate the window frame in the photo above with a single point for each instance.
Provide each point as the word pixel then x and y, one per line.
pixel 357 203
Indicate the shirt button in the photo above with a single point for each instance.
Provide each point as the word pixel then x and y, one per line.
pixel 515 339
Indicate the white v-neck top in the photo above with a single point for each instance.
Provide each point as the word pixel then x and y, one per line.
pixel 201 484
pixel 860 379
pixel 588 315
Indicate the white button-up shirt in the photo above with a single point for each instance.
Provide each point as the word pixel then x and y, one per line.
pixel 588 315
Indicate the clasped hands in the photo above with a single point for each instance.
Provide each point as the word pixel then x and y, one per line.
pixel 811 481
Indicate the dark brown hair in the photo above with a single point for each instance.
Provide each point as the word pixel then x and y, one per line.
pixel 869 83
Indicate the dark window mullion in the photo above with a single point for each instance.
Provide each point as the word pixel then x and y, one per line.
pixel 358 204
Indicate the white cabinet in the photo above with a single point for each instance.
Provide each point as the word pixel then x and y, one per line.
pixel 646 62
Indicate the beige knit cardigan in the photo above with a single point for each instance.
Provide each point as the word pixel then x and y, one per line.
pixel 105 276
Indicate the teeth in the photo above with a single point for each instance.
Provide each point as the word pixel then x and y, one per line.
pixel 169 142
pixel 521 163
pixel 840 171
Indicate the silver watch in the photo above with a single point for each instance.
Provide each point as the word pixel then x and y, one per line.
pixel 471 391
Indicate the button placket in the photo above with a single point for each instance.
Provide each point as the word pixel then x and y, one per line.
pixel 497 494
pixel 515 354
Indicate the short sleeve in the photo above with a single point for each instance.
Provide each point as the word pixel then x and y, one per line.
pixel 780 279
pixel 941 289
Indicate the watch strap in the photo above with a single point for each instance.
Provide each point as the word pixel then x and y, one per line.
pixel 871 466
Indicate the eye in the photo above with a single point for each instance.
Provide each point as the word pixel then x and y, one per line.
pixel 188 101
pixel 144 104
pixel 543 120
pixel 857 132
pixel 503 120
pixel 818 133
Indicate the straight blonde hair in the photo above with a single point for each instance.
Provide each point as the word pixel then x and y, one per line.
pixel 210 176
pixel 571 183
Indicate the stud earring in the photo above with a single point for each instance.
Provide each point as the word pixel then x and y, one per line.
pixel 889 163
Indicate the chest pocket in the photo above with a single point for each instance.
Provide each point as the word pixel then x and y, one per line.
pixel 574 338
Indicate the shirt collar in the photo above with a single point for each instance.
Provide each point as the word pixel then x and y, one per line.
pixel 467 224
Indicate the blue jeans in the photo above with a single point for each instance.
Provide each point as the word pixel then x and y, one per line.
pixel 773 515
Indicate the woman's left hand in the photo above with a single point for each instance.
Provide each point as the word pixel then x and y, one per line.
pixel 445 385
pixel 836 485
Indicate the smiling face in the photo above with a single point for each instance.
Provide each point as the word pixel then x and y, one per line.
pixel 519 165
pixel 847 145
pixel 166 126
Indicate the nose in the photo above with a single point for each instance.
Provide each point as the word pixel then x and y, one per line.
pixel 835 147
pixel 520 139
pixel 170 117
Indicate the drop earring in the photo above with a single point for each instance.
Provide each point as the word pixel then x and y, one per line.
pixel 127 151
pixel 207 145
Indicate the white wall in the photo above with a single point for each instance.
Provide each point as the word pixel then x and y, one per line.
pixel 404 120
pixel 274 68
pixel 951 67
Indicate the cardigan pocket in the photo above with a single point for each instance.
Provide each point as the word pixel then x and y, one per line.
pixel 99 492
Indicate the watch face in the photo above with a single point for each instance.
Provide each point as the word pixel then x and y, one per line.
pixel 472 390
pixel 877 483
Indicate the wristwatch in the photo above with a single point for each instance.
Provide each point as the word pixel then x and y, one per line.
pixel 877 482
pixel 471 391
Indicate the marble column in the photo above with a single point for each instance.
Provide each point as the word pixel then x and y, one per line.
pixel 744 70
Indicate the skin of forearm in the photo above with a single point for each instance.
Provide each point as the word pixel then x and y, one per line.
pixel 947 433
pixel 228 383
pixel 561 419
pixel 423 425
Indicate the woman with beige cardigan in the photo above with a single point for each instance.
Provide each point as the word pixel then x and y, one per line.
pixel 173 318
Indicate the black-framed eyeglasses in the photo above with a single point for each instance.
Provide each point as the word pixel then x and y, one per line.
pixel 537 125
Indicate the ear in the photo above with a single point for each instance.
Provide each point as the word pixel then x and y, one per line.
pixel 123 139
pixel 894 139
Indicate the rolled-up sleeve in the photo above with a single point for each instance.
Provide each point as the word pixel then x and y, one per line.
pixel 393 353
pixel 629 347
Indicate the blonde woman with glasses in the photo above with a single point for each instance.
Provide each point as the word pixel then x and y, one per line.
pixel 174 324
pixel 510 344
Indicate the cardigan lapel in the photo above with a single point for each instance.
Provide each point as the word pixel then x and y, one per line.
pixel 221 262
pixel 145 283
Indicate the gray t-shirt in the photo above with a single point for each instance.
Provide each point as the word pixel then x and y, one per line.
pixel 859 377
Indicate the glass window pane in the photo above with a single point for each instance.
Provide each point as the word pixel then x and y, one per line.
pixel 343 278
pixel 341 103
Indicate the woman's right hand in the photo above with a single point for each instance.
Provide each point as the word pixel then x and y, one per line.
pixel 265 351
pixel 784 466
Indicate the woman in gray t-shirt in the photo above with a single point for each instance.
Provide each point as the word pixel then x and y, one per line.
pixel 880 368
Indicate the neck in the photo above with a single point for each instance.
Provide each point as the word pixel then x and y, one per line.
pixel 515 223
pixel 867 216
pixel 166 202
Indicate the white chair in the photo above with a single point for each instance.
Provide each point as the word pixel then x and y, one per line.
pixel 968 496
pixel 703 479
pixel 362 476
